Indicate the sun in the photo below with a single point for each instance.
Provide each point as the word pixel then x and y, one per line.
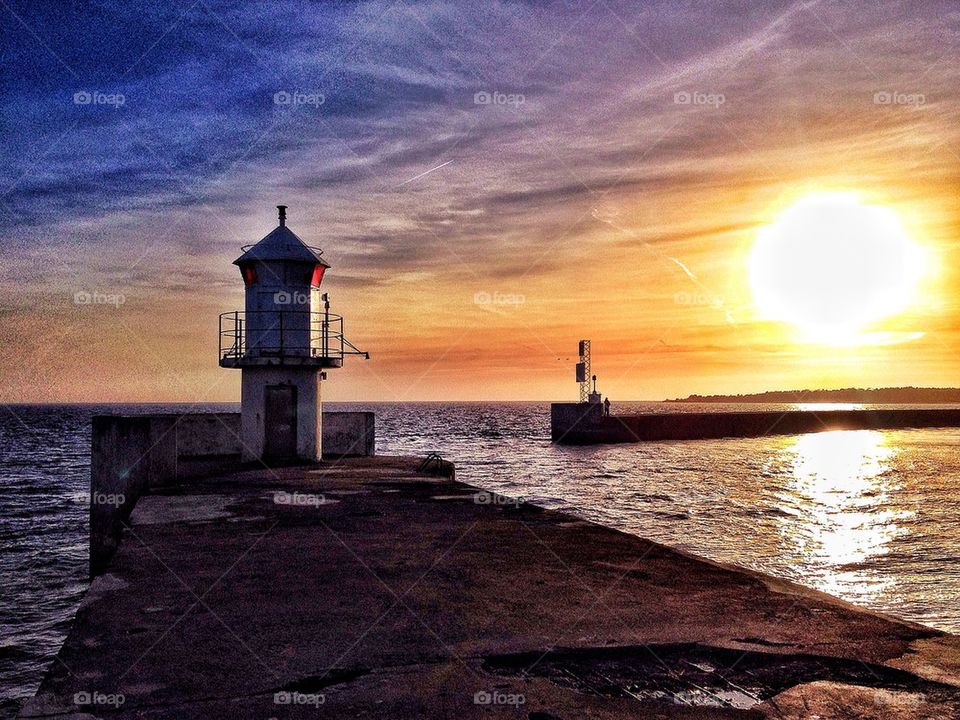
pixel 831 265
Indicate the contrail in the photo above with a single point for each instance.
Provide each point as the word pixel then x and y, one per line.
pixel 598 215
pixel 602 217
pixel 426 172
pixel 684 268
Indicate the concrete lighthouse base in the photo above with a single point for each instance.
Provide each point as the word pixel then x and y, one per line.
pixel 280 414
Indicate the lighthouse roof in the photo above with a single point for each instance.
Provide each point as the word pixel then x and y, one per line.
pixel 282 244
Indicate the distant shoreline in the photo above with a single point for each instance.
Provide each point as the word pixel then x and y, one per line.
pixel 869 396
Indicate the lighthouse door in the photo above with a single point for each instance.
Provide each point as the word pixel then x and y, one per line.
pixel 280 422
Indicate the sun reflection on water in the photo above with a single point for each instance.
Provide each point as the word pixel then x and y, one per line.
pixel 839 508
pixel 814 406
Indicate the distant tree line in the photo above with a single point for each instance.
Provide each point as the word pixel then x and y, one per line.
pixel 878 396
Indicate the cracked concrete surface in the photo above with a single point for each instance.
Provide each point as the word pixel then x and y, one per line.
pixel 397 601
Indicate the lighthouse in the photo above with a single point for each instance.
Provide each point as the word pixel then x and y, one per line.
pixel 283 342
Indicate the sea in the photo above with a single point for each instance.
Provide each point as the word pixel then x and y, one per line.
pixel 872 517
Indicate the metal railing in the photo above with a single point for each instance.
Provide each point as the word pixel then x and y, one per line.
pixel 295 334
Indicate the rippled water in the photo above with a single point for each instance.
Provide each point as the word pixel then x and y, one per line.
pixel 869 516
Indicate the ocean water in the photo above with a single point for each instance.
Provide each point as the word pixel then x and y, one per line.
pixel 870 516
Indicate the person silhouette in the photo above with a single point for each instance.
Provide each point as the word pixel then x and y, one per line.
pixel 606 406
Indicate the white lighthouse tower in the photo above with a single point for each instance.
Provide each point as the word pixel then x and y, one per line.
pixel 283 342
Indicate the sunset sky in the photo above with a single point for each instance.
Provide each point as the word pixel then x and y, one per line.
pixel 612 188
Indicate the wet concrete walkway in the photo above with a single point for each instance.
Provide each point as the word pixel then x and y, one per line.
pixel 365 589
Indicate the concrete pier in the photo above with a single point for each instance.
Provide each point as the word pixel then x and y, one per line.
pixel 381 588
pixel 585 424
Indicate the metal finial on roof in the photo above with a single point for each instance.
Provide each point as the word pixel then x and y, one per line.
pixel 283 214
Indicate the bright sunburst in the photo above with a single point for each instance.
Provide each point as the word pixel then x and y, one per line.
pixel 831 265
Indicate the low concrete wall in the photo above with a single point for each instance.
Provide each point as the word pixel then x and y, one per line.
pixel 347 434
pixel 132 453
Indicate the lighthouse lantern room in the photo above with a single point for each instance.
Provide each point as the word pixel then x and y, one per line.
pixel 283 342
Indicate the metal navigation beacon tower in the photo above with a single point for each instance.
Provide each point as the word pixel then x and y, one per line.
pixel 583 370
pixel 584 377
pixel 283 341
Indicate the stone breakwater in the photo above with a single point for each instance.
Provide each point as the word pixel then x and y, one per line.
pixel 380 587
pixel 584 424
